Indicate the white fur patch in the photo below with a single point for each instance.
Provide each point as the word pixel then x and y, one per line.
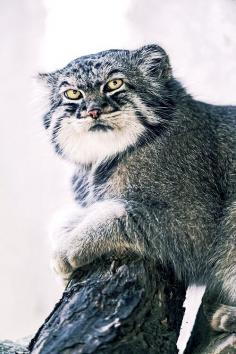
pixel 62 218
pixel 77 240
pixel 66 221
pixel 102 211
pixel 83 146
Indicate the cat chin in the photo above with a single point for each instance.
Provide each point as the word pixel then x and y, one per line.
pixel 95 146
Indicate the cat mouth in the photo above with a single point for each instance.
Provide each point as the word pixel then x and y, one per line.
pixel 100 127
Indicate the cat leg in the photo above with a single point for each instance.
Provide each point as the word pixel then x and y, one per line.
pixel 224 319
pixel 224 279
pixel 107 227
pixel 62 225
pixel 85 234
pixel 224 316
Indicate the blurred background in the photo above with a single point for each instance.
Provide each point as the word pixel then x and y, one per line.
pixel 200 37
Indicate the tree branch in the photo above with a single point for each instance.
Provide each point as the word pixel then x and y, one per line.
pixel 114 308
pixel 121 308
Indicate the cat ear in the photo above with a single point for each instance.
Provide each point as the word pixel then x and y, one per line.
pixel 153 61
pixel 49 79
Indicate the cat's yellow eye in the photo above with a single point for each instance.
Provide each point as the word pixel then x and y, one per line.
pixel 114 84
pixel 73 94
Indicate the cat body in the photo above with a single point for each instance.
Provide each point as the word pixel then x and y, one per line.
pixel 155 171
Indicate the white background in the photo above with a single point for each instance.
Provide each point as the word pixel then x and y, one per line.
pixel 200 37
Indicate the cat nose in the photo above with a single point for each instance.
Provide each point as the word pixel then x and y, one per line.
pixel 94 113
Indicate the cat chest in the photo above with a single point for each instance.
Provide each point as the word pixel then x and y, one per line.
pixel 99 183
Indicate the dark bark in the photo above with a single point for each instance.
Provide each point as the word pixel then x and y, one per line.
pixel 129 308
pixel 132 307
pixel 9 347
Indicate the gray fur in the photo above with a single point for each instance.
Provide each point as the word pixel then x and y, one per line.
pixel 176 179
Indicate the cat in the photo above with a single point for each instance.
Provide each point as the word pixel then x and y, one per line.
pixel 155 171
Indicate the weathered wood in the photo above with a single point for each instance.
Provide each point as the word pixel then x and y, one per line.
pixel 121 308
pixel 10 347
pixel 128 308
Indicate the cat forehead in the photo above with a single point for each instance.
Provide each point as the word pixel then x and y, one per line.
pixel 101 59
pixel 95 66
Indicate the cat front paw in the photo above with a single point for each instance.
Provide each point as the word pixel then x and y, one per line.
pixel 60 265
pixel 68 256
pixel 78 249
pixel 85 236
pixel 224 319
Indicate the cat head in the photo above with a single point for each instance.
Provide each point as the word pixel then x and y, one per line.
pixel 103 104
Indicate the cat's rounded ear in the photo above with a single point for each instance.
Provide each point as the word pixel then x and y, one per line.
pixel 43 87
pixel 49 79
pixel 153 61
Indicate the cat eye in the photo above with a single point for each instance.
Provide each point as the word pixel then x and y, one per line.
pixel 114 84
pixel 73 94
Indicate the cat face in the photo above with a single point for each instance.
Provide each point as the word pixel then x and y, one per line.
pixel 102 104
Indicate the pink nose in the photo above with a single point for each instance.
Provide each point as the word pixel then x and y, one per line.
pixel 95 113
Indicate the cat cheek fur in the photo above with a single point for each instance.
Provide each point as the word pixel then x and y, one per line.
pixel 80 145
